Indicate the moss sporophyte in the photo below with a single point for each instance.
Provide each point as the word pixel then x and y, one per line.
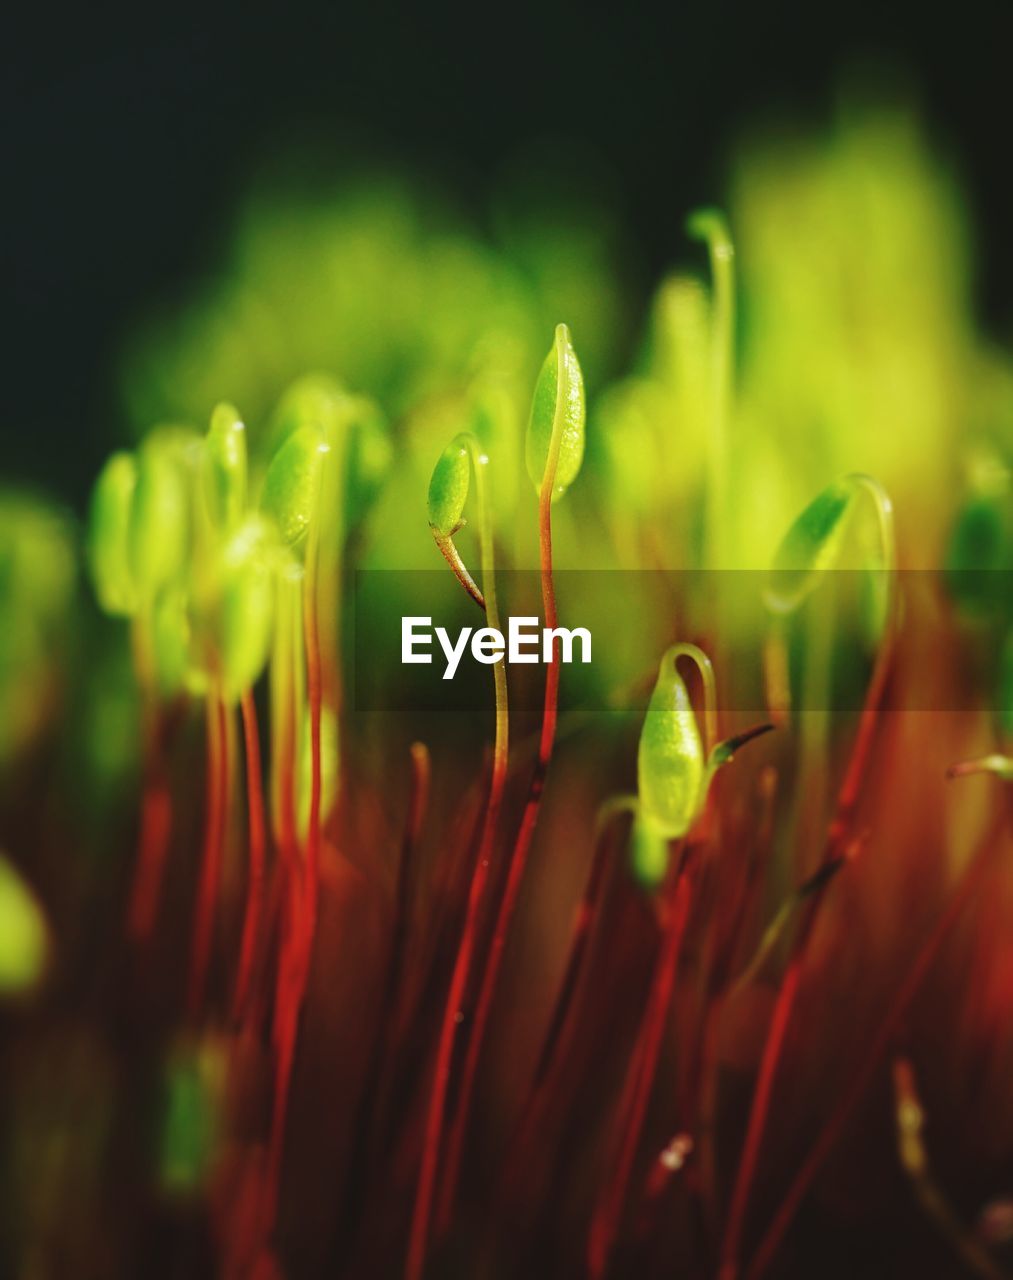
pixel 548 1010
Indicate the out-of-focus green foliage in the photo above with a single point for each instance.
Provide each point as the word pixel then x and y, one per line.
pixel 109 535
pixel 23 934
pixel 815 543
pixel 161 513
pixel 194 1088
pixel 38 576
pixel 855 349
pixel 857 344
pixel 383 287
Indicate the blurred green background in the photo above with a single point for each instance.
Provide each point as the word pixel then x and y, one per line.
pixel 131 143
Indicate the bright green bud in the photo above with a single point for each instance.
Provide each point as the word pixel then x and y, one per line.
pixel 670 761
pixel 808 548
pixel 160 516
pixel 448 488
pixel 557 410
pixel 23 934
pixel 247 608
pixel 225 468
pixel 109 535
pixel 292 484
pixel 170 642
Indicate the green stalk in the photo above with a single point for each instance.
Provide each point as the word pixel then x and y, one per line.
pixel 522 845
pixel 847 800
pixel 453 1014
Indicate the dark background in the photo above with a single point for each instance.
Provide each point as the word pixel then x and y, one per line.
pixel 124 143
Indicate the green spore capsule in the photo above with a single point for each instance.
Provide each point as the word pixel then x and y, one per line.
pixel 246 608
pixel 557 409
pixel 292 484
pixel 670 761
pixel 160 517
pixel 225 468
pixel 448 488
pixel 23 934
pixel 170 644
pixel 808 548
pixel 109 535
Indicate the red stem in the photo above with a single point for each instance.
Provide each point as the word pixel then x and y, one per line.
pixel 153 843
pixel 453 1018
pixel 314 696
pixel 300 912
pixel 257 839
pixel 908 989
pixel 580 939
pixel 517 864
pixel 559 1035
pixel 214 830
pixel 640 1077
pixel 770 1060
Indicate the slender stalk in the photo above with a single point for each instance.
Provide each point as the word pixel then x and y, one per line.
pixel 311 628
pixel 214 829
pixel 156 803
pixel 404 900
pixel 710 703
pixel 257 842
pixel 559 1032
pixel 452 556
pixel 284 719
pixel 453 1016
pixel 836 838
pixel 579 939
pixel 153 841
pixel 910 1119
pixel 367 1142
pixel 641 1074
pixel 299 929
pixel 829 1136
pixel 532 808
pixel 291 964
